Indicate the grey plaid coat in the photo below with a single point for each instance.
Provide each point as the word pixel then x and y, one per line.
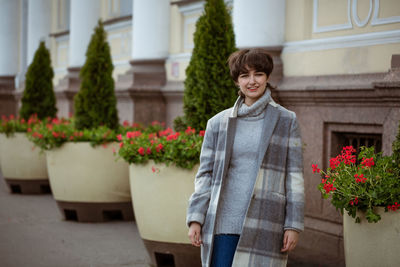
pixel 277 203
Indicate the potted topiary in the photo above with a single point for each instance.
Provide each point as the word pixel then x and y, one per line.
pixel 171 158
pixel 369 192
pixel 87 183
pixel 23 167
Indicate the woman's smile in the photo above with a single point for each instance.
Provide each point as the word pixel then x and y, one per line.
pixel 252 84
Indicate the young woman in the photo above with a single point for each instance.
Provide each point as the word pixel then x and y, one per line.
pixel 248 204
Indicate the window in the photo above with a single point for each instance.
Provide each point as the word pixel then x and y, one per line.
pixel 63 11
pixel 119 8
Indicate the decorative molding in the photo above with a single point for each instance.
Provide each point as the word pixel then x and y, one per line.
pixel 118 25
pixel 352 15
pixel 192 8
pixel 336 27
pixel 380 21
pixel 179 57
pixel 358 40
pixel 117 19
pixel 356 19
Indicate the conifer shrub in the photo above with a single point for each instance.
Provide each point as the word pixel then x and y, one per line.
pixel 38 96
pixel 209 88
pixel 95 103
pixel 396 148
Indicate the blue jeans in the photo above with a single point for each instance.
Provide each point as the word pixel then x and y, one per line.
pixel 224 249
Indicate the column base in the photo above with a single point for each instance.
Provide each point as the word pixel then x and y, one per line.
pixel 8 102
pixel 66 90
pixel 140 91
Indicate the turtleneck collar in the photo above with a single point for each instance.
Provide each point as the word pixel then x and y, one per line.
pixel 257 108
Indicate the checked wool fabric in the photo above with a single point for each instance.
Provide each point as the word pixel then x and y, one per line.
pixel 277 202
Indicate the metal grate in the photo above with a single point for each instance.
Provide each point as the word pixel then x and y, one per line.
pixel 367 140
pixel 357 140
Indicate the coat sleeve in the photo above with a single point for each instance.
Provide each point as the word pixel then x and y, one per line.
pixel 199 200
pixel 294 218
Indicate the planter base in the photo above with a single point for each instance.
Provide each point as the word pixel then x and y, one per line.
pixel 173 254
pixel 31 186
pixel 96 212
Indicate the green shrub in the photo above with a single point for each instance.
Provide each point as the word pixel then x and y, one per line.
pixel 95 103
pixel 396 147
pixel 38 97
pixel 209 88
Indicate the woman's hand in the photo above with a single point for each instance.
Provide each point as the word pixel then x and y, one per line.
pixel 290 239
pixel 195 234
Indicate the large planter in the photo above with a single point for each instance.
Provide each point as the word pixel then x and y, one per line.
pixel 88 183
pixel 22 165
pixel 372 244
pixel 160 197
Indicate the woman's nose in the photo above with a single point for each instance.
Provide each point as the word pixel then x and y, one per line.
pixel 252 79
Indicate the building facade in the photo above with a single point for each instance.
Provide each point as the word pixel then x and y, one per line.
pixel 337 65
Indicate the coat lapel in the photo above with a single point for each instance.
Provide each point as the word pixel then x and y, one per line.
pixel 270 120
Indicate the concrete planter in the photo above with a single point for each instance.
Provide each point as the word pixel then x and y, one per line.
pixel 88 183
pixel 372 244
pixel 160 197
pixel 22 165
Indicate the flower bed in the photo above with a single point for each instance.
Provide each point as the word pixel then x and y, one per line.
pixel 165 146
pixel 374 182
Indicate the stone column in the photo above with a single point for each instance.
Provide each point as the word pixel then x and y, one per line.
pixel 84 16
pixel 9 31
pixel 39 25
pixel 150 44
pixel 261 23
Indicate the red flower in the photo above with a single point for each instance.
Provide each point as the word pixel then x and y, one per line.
pixel 121 145
pixel 360 178
pixel 202 133
pixel 329 187
pixel 159 147
pixel 125 123
pixel 148 151
pixel 165 132
pixel 29 130
pixel 119 137
pixel 334 162
pixel 141 151
pixel 133 134
pixel 55 134
pixel 190 130
pixel 367 162
pixel 315 168
pixel 173 136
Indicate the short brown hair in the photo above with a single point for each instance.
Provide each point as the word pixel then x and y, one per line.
pixel 255 58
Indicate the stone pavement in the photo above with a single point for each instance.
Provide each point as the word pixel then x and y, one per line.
pixel 34 234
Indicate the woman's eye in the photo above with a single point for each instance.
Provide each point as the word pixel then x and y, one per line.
pixel 243 75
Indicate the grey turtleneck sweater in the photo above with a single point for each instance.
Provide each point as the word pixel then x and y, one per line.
pixel 242 172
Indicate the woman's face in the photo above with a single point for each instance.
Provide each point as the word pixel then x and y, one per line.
pixel 252 84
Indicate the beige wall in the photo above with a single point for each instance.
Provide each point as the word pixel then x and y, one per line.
pixel 119 38
pixel 334 37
